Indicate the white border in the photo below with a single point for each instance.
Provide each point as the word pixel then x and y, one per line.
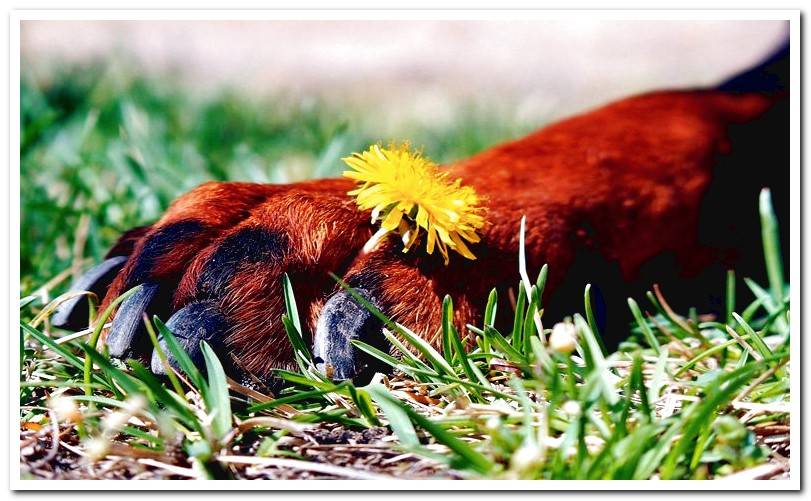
pixel 793 16
pixel 404 15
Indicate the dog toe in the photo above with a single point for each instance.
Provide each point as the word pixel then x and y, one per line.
pixel 126 338
pixel 343 319
pixel 192 324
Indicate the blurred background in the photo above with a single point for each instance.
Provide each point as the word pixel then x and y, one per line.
pixel 119 117
pixel 421 69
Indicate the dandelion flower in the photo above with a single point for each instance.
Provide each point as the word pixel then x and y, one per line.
pixel 409 194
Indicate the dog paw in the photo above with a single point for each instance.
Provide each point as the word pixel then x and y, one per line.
pixel 211 268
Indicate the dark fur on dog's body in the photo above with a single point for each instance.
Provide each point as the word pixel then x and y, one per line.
pixel 640 191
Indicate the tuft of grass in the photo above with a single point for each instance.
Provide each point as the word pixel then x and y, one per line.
pixel 700 405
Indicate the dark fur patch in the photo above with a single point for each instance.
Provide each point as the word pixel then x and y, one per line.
pixel 159 244
pixel 770 76
pixel 126 242
pixel 247 246
pixel 367 279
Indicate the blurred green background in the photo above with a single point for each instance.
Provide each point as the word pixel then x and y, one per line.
pixel 104 149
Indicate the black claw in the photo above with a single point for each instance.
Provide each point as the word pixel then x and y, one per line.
pixel 196 322
pixel 73 314
pixel 342 320
pixel 127 337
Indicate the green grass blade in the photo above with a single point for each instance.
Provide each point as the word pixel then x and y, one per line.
pixel 363 403
pixel 430 354
pixel 147 437
pixel 306 380
pixel 754 337
pixel 164 360
pixel 53 346
pixel 468 457
pixel 290 303
pixel 705 354
pixel 762 294
pixel 590 317
pixel 371 350
pixel 497 340
pixel 753 307
pixel 541 354
pixel 491 308
pixel 529 325
pixel 658 378
pixel 180 355
pixel 297 397
pixel 646 330
pixel 467 366
pixel 453 380
pixel 730 295
pixel 129 384
pixel 408 358
pixel 769 303
pixel 27 300
pixel 771 245
pixel 171 401
pixel 651 459
pixel 395 413
pixel 216 396
pixel 605 376
pixel 518 319
pixel 447 326
pixel 300 351
pixel 540 283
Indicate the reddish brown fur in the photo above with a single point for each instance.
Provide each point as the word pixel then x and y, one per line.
pixel 601 179
pixel 325 231
pixel 219 205
pixel 621 170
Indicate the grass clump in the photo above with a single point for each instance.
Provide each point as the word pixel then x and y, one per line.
pixel 684 398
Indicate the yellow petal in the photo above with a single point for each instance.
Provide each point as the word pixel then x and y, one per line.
pixel 429 247
pixel 422 217
pixel 461 248
pixel 392 220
